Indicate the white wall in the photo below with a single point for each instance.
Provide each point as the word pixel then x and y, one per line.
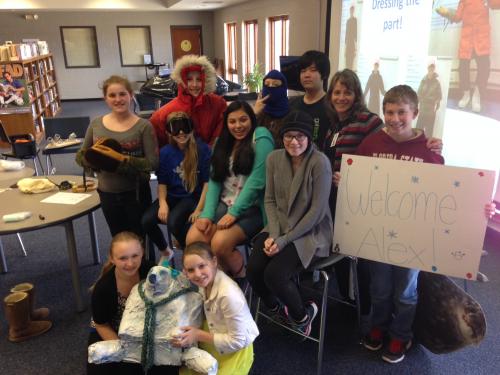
pixel 84 83
pixel 307 25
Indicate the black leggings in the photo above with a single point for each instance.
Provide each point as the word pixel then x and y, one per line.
pixel 272 277
pixel 123 211
pixel 177 221
pixel 483 73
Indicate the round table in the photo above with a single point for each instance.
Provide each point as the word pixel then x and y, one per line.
pixel 16 175
pixel 50 214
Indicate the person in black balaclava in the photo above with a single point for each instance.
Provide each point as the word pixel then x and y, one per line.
pixel 272 105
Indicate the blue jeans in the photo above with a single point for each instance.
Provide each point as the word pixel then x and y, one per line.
pixel 393 292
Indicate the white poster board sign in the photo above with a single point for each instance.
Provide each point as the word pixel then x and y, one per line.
pixel 414 215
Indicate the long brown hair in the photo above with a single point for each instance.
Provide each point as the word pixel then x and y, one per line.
pixel 189 166
pixel 119 237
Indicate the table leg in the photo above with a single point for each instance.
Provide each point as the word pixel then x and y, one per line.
pixel 93 238
pixel 3 263
pixel 47 163
pixel 73 264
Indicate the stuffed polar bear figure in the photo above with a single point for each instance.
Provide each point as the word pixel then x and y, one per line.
pixel 155 309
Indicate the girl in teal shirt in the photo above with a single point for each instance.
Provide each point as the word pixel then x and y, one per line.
pixel 233 211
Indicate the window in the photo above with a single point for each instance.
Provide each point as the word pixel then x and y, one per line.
pixel 249 29
pixel 134 42
pixel 231 57
pixel 80 46
pixel 278 40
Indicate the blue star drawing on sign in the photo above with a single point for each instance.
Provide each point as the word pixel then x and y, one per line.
pixel 456 184
pixel 392 234
pixel 446 231
pixel 415 179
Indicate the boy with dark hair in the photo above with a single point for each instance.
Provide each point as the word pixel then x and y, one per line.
pixel 314 71
pixel 393 288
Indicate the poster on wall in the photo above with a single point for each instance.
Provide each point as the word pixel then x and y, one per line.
pixel 448 51
pixel 15 94
pixel 416 215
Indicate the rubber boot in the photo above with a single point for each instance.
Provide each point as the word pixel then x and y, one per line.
pixel 464 102
pixel 41 313
pixel 17 312
pixel 476 101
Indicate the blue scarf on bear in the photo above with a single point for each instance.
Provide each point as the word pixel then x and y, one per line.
pixel 277 104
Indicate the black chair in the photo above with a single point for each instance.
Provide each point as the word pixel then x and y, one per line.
pixel 27 149
pixel 320 266
pixel 63 126
pixel 144 106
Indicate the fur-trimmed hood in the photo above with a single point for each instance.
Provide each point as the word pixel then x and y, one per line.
pixel 206 67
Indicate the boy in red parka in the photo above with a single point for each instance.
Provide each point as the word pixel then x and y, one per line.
pixel 196 80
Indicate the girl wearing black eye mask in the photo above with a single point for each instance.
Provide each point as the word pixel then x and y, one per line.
pixel 182 183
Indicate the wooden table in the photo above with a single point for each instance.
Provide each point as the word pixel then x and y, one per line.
pixel 47 215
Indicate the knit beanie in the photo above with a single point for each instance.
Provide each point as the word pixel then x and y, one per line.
pixel 277 104
pixel 298 121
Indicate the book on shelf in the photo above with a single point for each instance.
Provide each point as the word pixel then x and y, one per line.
pixel 51 66
pixel 36 87
pixel 34 69
pixel 30 92
pixel 41 68
pixel 26 73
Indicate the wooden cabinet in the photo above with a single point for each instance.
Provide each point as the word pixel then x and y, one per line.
pixel 41 97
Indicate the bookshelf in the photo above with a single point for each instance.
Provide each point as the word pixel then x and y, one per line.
pixel 38 76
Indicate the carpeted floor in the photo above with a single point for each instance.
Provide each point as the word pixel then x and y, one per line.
pixel 62 350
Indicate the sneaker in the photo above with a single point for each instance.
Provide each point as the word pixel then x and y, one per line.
pixel 167 259
pixel 476 101
pixel 305 326
pixel 374 340
pixel 279 314
pixel 395 351
pixel 464 102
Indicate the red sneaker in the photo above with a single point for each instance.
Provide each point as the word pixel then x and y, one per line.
pixel 374 340
pixel 395 351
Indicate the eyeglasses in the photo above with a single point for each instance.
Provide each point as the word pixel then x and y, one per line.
pixel 175 125
pixel 299 137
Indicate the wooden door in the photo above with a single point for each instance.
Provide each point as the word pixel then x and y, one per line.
pixel 186 40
